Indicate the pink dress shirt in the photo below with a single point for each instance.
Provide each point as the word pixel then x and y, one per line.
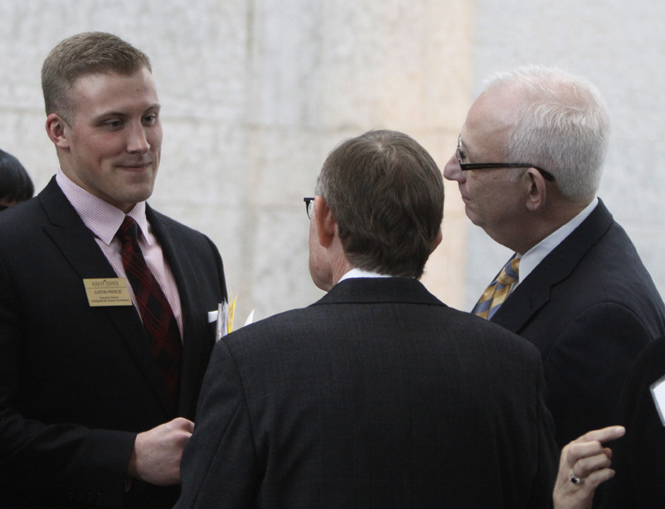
pixel 104 220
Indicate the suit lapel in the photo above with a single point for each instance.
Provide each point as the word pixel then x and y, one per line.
pixel 78 246
pixel 534 292
pixel 194 314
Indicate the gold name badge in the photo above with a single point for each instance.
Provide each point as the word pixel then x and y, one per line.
pixel 107 292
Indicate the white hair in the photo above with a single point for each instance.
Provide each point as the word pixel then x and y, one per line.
pixel 563 126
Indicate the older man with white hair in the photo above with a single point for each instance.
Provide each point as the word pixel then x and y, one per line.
pixel 528 165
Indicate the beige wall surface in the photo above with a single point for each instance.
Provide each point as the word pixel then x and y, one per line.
pixel 254 95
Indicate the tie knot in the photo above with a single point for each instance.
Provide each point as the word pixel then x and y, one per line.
pixel 510 272
pixel 128 231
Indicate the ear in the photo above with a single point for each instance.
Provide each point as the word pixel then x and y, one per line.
pixel 325 223
pixel 437 240
pixel 58 131
pixel 536 189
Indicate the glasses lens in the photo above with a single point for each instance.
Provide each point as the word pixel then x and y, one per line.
pixel 309 206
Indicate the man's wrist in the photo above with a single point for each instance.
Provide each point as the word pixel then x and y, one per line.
pixel 132 469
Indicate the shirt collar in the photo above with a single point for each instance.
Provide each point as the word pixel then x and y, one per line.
pixel 102 218
pixel 530 260
pixel 359 273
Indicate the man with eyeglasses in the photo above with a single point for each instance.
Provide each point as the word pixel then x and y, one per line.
pixel 528 165
pixel 377 395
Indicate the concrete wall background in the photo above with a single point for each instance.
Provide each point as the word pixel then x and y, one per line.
pixel 620 48
pixel 254 95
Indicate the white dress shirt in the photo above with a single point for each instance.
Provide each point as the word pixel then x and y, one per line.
pixel 537 253
pixel 359 273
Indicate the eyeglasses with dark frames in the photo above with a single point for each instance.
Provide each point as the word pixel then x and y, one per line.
pixel 491 166
pixel 309 206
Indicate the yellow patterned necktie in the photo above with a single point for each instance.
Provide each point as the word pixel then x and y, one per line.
pixel 497 292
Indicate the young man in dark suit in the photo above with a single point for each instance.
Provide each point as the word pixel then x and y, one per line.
pixel 378 395
pixel 104 333
pixel 528 166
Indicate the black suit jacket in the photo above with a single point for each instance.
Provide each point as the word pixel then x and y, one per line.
pixel 77 383
pixel 378 395
pixel 639 457
pixel 590 307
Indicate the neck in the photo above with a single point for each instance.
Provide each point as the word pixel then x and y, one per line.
pixel 341 267
pixel 540 224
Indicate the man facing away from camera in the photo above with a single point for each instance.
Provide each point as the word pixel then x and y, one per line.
pixel 104 333
pixel 378 395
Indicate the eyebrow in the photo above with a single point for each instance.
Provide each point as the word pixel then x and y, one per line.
pixel 123 114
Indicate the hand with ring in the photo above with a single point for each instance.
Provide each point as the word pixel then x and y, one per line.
pixel 585 464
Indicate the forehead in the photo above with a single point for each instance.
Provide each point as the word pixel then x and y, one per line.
pixel 489 122
pixel 99 92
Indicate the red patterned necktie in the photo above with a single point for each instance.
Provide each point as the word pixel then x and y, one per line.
pixel 156 313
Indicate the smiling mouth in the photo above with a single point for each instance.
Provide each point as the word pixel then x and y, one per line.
pixel 135 166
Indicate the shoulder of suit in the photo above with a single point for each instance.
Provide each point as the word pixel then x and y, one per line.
pixel 22 218
pixel 477 328
pixel 270 332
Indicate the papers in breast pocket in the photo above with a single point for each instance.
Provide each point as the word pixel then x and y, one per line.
pixel 224 318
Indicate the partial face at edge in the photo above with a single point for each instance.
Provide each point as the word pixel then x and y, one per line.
pixel 320 267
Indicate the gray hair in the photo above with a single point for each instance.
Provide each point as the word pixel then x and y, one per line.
pixel 563 126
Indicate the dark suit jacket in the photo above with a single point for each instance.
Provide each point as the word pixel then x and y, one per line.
pixel 590 307
pixel 639 457
pixel 77 383
pixel 378 395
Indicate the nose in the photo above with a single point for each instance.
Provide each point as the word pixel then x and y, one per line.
pixel 452 170
pixel 137 141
